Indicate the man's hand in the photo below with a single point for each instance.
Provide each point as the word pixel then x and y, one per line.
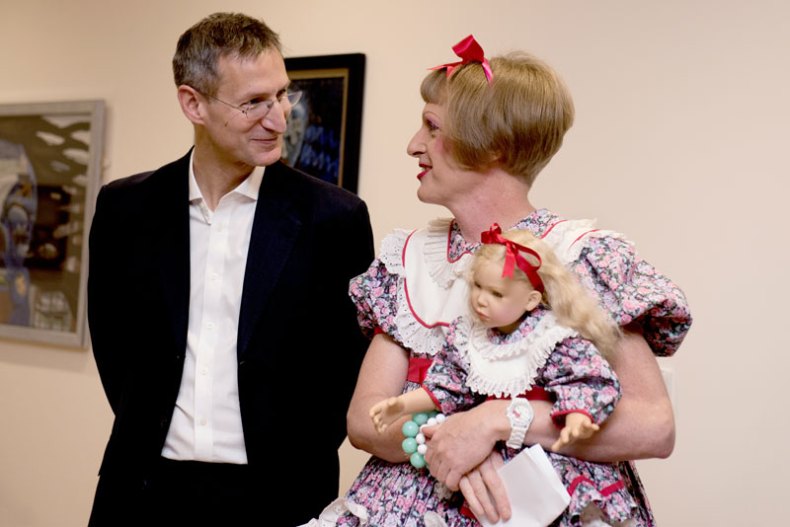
pixel 484 491
pixel 465 440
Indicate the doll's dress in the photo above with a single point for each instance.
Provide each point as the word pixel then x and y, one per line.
pixel 540 355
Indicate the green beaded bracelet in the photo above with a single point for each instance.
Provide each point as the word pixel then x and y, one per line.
pixel 414 443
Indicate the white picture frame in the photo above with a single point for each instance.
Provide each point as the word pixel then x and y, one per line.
pixel 50 172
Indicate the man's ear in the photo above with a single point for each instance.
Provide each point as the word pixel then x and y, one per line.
pixel 533 299
pixel 191 103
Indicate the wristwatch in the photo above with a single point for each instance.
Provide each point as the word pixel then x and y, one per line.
pixel 520 414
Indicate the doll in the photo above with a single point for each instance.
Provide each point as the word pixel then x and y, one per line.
pixel 534 333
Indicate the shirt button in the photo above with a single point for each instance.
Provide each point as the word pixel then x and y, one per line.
pixel 203 421
pixel 210 325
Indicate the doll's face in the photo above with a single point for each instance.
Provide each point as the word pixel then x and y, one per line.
pixel 497 301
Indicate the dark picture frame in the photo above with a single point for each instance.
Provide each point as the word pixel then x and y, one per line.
pixel 50 171
pixel 324 130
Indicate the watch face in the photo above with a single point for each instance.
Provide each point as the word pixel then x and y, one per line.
pixel 520 410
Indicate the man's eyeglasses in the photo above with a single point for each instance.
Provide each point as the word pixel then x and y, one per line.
pixel 256 110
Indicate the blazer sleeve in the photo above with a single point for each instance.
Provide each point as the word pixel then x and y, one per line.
pixel 352 255
pixel 103 252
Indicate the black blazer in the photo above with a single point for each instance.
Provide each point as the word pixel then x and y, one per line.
pixel 299 347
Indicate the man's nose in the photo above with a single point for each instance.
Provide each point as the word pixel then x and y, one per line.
pixel 277 117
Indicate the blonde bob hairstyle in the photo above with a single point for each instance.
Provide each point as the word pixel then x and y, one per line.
pixel 571 303
pixel 516 123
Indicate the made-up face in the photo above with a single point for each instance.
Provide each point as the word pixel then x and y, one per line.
pixel 497 301
pixel 235 138
pixel 442 181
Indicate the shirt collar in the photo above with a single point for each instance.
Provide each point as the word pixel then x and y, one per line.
pixel 249 187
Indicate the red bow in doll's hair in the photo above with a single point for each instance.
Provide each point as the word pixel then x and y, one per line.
pixel 513 256
pixel 469 51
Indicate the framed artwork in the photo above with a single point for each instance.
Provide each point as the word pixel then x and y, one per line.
pixel 325 126
pixel 50 157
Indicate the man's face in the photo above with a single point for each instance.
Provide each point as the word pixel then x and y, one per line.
pixel 235 138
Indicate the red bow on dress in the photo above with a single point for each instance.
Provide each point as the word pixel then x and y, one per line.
pixel 513 256
pixel 469 51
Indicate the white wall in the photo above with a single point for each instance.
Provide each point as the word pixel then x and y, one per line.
pixel 680 142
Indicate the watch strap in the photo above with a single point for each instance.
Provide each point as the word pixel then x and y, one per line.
pixel 520 415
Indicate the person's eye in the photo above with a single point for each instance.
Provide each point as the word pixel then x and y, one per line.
pixel 496 294
pixel 247 107
pixel 430 125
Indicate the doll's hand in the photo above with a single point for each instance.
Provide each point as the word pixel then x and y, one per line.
pixel 577 426
pixel 384 413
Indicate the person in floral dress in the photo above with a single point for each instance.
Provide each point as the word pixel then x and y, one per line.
pixel 487 130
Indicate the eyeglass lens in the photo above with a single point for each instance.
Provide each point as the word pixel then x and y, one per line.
pixel 260 110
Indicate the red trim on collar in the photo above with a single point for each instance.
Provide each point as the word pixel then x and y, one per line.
pixel 406 289
pixel 413 312
pixel 551 228
pixel 582 235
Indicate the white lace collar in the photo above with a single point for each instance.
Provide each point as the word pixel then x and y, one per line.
pixel 432 290
pixel 436 255
pixel 508 368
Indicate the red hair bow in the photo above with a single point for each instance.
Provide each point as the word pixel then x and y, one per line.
pixel 469 51
pixel 513 256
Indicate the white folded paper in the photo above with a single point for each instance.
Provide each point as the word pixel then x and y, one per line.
pixel 536 493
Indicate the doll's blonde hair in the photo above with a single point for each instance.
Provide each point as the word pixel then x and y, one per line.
pixel 571 303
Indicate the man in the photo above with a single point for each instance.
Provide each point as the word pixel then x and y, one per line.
pixel 217 301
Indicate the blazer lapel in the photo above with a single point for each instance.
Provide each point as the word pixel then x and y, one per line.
pixel 275 230
pixel 172 228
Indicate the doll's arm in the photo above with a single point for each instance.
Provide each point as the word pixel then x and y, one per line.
pixel 385 412
pixel 642 424
pixel 577 426
pixel 581 381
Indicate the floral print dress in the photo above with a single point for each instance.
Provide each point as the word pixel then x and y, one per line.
pixel 630 289
pixel 539 356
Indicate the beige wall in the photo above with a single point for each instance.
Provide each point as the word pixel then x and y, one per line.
pixel 680 142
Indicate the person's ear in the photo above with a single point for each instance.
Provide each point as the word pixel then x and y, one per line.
pixel 191 103
pixel 533 300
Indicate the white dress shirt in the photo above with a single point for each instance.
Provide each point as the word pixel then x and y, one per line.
pixel 206 424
